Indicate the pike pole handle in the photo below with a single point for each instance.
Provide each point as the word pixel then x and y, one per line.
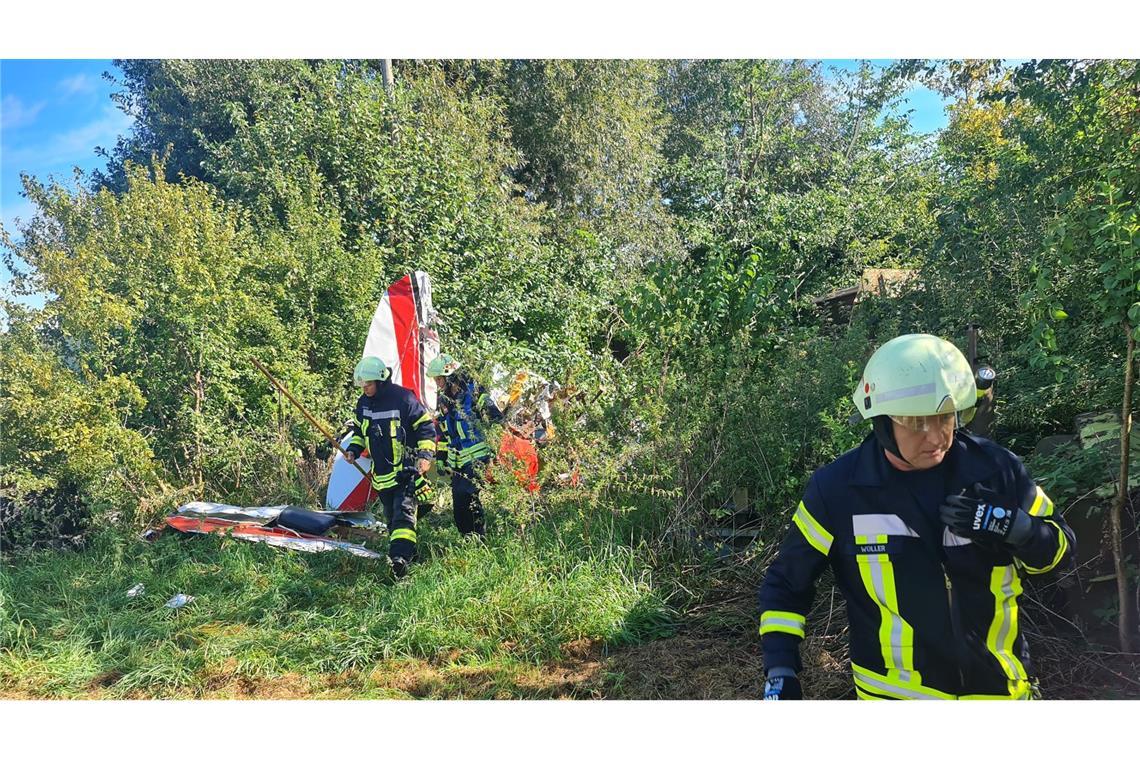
pixel 328 436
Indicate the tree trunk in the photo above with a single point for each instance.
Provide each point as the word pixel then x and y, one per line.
pixel 1114 515
pixel 386 73
pixel 199 394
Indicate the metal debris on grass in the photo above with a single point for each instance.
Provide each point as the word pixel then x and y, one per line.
pixel 179 600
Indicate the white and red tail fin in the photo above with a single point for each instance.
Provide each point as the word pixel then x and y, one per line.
pixel 402 335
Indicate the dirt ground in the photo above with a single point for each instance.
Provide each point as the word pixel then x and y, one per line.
pixel 695 664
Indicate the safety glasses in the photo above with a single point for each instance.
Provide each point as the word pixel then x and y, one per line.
pixel 928 422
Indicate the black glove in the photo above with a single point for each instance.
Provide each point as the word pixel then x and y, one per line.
pixel 981 520
pixel 782 684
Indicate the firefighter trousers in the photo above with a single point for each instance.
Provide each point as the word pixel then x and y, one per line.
pixel 465 504
pixel 400 510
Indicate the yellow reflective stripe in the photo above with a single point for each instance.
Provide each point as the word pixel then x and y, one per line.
pixel 387 480
pixel 405 533
pixel 397 447
pixel 894 685
pixel 425 418
pixel 1042 505
pixel 812 530
pixel 468 455
pixel 773 621
pixel 426 445
pixel 1017 690
pixel 363 423
pixel 1005 586
pixel 357 440
pixel 1062 547
pixel 896 636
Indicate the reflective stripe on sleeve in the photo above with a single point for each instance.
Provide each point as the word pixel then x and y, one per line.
pixel 1042 505
pixel 1062 547
pixel 779 621
pixel 812 530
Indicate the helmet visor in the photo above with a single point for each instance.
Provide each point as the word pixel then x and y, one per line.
pixel 928 422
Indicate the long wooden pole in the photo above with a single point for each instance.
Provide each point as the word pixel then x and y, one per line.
pixel 328 436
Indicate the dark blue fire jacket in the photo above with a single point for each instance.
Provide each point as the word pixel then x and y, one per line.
pixel 931 615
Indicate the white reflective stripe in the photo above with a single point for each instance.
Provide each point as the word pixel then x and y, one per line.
pixel 390 414
pixel 880 525
pixel 949 538
pixel 914 390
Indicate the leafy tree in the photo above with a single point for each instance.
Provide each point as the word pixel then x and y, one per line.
pixel 1093 238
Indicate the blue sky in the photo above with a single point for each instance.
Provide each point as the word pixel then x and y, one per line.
pixel 929 108
pixel 54 113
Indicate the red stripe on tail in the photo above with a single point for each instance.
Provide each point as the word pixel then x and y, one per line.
pixel 407 334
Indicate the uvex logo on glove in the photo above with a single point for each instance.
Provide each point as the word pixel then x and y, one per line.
pixel 980 520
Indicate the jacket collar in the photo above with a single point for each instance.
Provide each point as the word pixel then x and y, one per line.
pixel 966 462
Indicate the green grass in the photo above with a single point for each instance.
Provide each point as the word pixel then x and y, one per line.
pixel 67 628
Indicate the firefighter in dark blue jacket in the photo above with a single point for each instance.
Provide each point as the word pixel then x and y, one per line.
pixel 399 434
pixel 463 448
pixel 929 531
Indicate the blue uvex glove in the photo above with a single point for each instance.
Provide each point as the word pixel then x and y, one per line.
pixel 982 520
pixel 782 684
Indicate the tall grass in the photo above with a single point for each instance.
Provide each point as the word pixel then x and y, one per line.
pixel 67 626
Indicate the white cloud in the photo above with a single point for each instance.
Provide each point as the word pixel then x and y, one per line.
pixel 80 84
pixel 76 146
pixel 14 113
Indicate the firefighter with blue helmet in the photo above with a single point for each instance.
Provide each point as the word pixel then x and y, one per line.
pixel 399 434
pixel 929 532
pixel 464 407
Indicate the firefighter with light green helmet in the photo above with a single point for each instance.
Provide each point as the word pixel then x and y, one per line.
pixel 398 432
pixel 443 365
pixel 928 530
pixel 370 368
pixel 918 381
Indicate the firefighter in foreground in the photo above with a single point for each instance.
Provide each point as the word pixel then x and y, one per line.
pixel 928 530
pixel 399 434
pixel 463 448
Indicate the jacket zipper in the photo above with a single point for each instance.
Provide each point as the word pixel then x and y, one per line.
pixel 955 627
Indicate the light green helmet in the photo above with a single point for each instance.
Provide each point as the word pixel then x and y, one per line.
pixel 442 366
pixel 370 368
pixel 915 375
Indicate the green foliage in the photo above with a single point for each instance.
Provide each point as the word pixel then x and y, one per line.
pixel 652 233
